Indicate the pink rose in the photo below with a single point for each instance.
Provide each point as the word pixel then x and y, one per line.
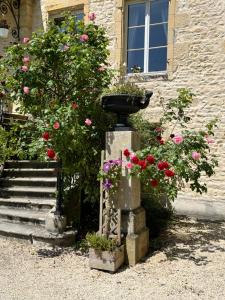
pixel 209 140
pixel 88 122
pixel 26 40
pixel 196 155
pixel 92 16
pixel 56 125
pixel 129 165
pixel 101 69
pixel 24 68
pixel 177 139
pixel 66 47
pixel 26 59
pixel 84 38
pixel 26 90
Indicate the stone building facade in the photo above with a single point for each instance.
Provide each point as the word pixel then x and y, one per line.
pixel 195 59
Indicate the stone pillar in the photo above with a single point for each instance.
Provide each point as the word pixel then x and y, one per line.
pixel 128 199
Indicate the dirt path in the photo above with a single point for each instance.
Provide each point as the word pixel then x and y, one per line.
pixel 191 265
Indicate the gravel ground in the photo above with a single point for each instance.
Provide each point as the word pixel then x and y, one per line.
pixel 189 265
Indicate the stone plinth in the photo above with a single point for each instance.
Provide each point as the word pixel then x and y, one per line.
pixel 133 224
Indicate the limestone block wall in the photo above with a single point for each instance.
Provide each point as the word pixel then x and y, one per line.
pixel 197 61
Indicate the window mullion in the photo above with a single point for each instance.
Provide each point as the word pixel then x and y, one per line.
pixel 147 27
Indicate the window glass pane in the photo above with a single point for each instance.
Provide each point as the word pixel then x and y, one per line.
pixel 135 59
pixel 158 35
pixel 157 59
pixel 136 37
pixel 136 14
pixel 79 16
pixel 159 11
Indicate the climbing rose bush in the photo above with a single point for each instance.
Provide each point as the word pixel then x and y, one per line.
pixel 169 160
pixel 57 78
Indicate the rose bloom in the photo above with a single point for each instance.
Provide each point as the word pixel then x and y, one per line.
pixel 24 68
pixel 142 164
pixel 160 165
pixel 126 152
pixel 45 136
pixel 26 40
pixel 84 38
pixel 51 153
pixel 66 47
pixel 177 139
pixel 209 140
pixel 129 165
pixel 150 159
pixel 161 142
pixel 74 105
pixel 101 69
pixel 56 125
pixel 166 165
pixel 26 59
pixel 154 183
pixel 26 90
pixel 88 122
pixel 196 155
pixel 169 173
pixel 134 159
pixel 92 16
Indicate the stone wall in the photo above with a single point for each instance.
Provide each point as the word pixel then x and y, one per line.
pixel 196 60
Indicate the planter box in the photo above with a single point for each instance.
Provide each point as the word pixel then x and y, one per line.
pixel 106 260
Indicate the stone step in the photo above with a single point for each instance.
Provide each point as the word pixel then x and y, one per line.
pixel 15 116
pixel 16 215
pixel 28 181
pixel 36 234
pixel 30 164
pixel 28 203
pixel 29 172
pixel 28 191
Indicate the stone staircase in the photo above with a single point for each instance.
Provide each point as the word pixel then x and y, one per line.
pixel 27 194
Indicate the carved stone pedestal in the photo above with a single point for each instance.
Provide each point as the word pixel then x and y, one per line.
pixel 133 224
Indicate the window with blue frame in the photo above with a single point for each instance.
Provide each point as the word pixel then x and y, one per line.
pixel 147 27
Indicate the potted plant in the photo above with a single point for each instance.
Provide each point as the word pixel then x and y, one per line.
pixel 104 253
pixel 4 29
pixel 124 99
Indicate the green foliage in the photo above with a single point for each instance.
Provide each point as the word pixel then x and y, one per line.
pixel 100 242
pixel 65 70
pixel 4 150
pixel 125 88
pixel 187 160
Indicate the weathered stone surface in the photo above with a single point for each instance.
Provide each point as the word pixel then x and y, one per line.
pixel 55 223
pixel 133 221
pixel 137 246
pixel 106 260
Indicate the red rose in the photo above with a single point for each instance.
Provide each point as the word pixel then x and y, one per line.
pixel 51 153
pixel 158 129
pixel 126 153
pixel 154 183
pixel 166 165
pixel 45 136
pixel 142 164
pixel 162 142
pixel 74 105
pixel 56 125
pixel 150 159
pixel 135 160
pixel 169 173
pixel 161 165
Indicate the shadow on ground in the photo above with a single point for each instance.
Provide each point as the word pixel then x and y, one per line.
pixel 191 240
